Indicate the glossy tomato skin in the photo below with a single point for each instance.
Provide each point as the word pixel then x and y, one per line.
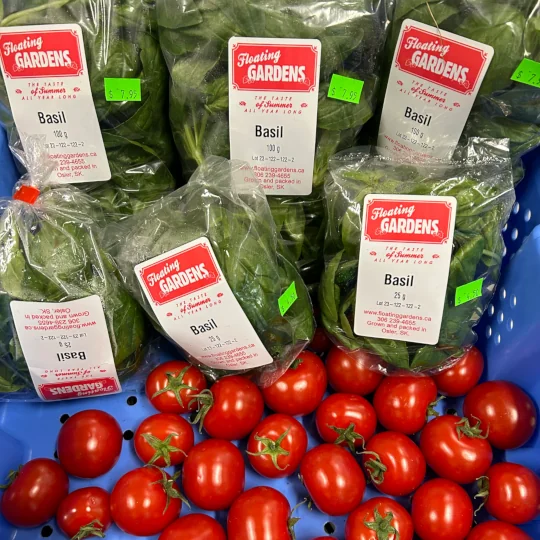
pixel 295 443
pixel 463 376
pixel 356 528
pixel 404 462
pixel 333 479
pixel 300 389
pixel 351 374
pixel 261 513
pixel 162 426
pixel 183 379
pixel 83 506
pixel 442 510
pixel 89 444
pixel 321 342
pixel 451 453
pixel 497 530
pixel 194 527
pixel 508 411
pixel 237 408
pixel 139 504
pixel 514 493
pixel 340 411
pixel 213 475
pixel 402 403
pixel 35 494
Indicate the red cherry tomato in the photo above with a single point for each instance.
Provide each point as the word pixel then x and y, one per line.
pixel 402 403
pixel 333 479
pixel 83 512
pixel 346 419
pixel 378 518
pixel 277 445
pixel 163 440
pixel 231 409
pixel 456 450
pixel 300 389
pixel 261 513
pixel 395 464
pixel 145 501
pixel 462 376
pixel 505 409
pixel 497 530
pixel 442 510
pixel 171 386
pixel 89 444
pixel 320 342
pixel 213 474
pixel 351 374
pixel 513 493
pixel 34 493
pixel 194 527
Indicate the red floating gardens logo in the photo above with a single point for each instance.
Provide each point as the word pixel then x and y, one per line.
pixel 407 220
pixel 41 53
pixel 279 67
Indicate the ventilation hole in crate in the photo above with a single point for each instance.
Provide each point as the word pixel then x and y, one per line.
pixel 491 310
pixel 63 418
pixel 128 435
pixel 510 325
pixel 488 331
pixel 505 228
pixel 513 301
pixel 527 216
pixel 515 210
pixel 451 412
pixel 56 454
pixel 329 528
pixel 500 317
pixel 502 294
pixel 497 339
pixel 505 251
pixel 515 234
pixel 131 400
pixel 46 531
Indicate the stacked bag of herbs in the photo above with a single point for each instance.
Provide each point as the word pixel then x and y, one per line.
pixel 480 178
pixel 50 252
pixel 194 36
pixel 120 38
pixel 503 108
pixel 247 247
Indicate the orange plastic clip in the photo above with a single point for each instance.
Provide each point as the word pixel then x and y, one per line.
pixel 27 194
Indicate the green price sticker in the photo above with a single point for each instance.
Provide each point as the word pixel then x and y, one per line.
pixel 469 291
pixel 345 88
pixel 287 299
pixel 528 72
pixel 123 89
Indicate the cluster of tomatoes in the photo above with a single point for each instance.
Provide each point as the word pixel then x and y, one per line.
pixel 390 441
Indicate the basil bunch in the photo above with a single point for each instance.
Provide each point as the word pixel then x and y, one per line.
pixel 194 36
pixel 247 247
pixel 480 178
pixel 120 38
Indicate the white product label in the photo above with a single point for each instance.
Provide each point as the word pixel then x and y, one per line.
pixel 46 77
pixel 273 99
pixel 404 264
pixel 433 83
pixel 197 309
pixel 66 347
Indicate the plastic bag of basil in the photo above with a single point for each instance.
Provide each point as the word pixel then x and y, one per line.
pixel 50 253
pixel 194 36
pixel 205 262
pixel 120 41
pixel 480 178
pixel 503 108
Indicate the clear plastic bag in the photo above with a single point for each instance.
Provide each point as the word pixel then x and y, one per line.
pixel 241 231
pixel 194 36
pixel 50 252
pixel 120 38
pixel 503 108
pixel 480 178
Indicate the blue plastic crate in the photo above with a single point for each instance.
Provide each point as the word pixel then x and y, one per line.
pixel 509 338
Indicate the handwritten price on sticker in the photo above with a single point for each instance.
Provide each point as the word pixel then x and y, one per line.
pixel 528 72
